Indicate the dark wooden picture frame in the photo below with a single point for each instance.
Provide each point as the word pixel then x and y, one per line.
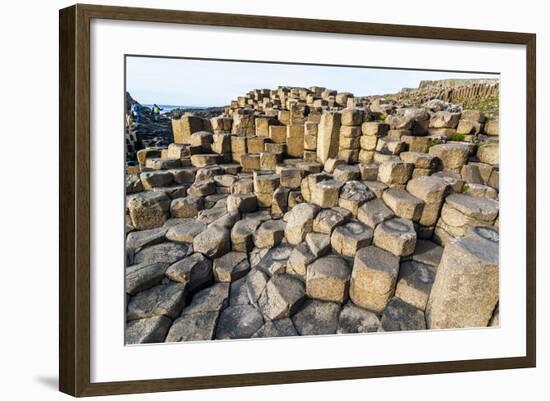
pixel 74 199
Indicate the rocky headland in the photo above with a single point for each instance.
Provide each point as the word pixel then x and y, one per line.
pixel 306 211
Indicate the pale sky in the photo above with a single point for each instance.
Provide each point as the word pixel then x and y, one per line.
pixel 206 83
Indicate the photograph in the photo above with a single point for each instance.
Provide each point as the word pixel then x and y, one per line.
pixel 276 199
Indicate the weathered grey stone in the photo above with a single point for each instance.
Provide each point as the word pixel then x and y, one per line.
pixel 202 188
pixel 415 283
pixel 317 318
pixel 299 259
pixel 327 219
pixel 133 184
pixel 153 179
pixel 318 244
pixel 148 209
pixel 238 292
pixel 273 261
pixel 488 152
pixel 211 299
pixel 256 282
pixel 167 252
pixel 242 235
pixel 492 127
pixel 149 330
pixel 213 242
pixel 369 171
pixel 164 299
pixel 186 207
pixel 353 195
pixel 470 173
pixel 185 231
pixel 231 266
pixel 349 238
pixel 375 128
pixel 195 271
pixel 373 278
pixel 276 328
pixel 162 164
pixel 331 164
pixel 269 234
pixel 300 222
pixel 326 193
pixel 184 175
pixel 466 287
pixel 374 212
pixel 347 172
pixel 403 204
pixel 376 187
pixel 328 133
pixel 428 253
pixel 396 236
pixel 400 316
pixel 328 279
pixel 453 156
pixel 353 319
pixel 139 239
pixel 244 203
pixel 240 321
pixel 431 190
pixel 197 326
pixel 143 276
pixel 395 172
pixel 282 296
pixel 444 119
pixel 290 177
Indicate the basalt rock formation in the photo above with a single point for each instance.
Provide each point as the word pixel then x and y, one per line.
pixel 303 211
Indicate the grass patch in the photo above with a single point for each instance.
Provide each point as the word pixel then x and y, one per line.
pixel 457 137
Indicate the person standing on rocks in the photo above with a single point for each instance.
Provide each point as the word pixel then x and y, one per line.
pixel 156 111
pixel 136 113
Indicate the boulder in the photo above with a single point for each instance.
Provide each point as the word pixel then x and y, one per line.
pixel 395 172
pixel 242 235
pixel 282 296
pixel 186 207
pixel 326 193
pixel 373 278
pixel 276 328
pixel 240 321
pixel 197 326
pixel 195 271
pixel 316 318
pixel 139 239
pixel 328 136
pixel 403 204
pixel 396 236
pixel 415 283
pixel 327 219
pixel 186 231
pixel 400 316
pixel 374 212
pixel 269 234
pixel 353 319
pixel 213 242
pixel 165 299
pixel 231 266
pixel 353 195
pixel 148 209
pixel 466 287
pixel 300 258
pixel 349 238
pixel 328 279
pixel 318 244
pixel 300 222
pixel 143 276
pixel 149 330
pixel 453 156
pixel 166 252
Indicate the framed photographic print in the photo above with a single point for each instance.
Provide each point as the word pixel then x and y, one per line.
pixel 250 200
